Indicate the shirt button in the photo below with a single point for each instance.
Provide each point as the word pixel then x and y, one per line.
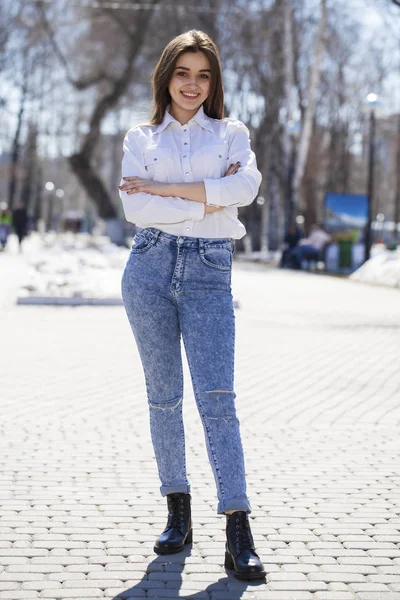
pixel 180 240
pixel 186 173
pixel 185 129
pixel 185 143
pixel 155 159
pixel 185 155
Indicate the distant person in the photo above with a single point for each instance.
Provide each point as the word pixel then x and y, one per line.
pixel 292 238
pixel 5 224
pixel 19 222
pixel 310 248
pixel 184 175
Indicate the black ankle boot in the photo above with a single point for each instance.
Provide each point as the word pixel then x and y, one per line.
pixel 240 553
pixel 178 531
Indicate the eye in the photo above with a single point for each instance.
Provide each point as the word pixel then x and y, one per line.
pixel 181 73
pixel 204 76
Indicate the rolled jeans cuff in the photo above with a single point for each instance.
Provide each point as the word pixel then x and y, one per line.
pixel 236 503
pixel 183 488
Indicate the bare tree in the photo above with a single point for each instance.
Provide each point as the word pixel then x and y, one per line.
pixel 309 112
pixel 110 88
pixel 16 143
pixel 274 76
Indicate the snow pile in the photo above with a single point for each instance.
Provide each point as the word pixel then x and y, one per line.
pixel 73 266
pixel 383 268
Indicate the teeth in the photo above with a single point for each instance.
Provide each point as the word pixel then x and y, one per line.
pixel 190 95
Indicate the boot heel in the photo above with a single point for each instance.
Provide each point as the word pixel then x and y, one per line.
pixel 228 562
pixel 189 537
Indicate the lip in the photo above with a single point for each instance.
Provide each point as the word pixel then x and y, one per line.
pixel 184 94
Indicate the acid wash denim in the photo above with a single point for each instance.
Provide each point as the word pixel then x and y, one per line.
pixel 176 287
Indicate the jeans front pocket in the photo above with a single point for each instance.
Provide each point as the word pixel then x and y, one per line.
pixel 141 243
pixel 217 257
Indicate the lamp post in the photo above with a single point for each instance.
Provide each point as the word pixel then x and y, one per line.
pixel 372 101
pixel 60 194
pixel 49 187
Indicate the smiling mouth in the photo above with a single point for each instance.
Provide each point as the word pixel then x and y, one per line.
pixel 190 96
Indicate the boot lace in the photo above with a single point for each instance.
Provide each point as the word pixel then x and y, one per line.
pixel 175 512
pixel 243 537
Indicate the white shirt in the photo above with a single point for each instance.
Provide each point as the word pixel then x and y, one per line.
pixel 317 238
pixel 200 150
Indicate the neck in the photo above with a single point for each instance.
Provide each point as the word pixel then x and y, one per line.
pixel 182 116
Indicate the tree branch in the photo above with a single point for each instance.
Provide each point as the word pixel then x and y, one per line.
pixel 113 14
pixel 79 84
pixel 119 85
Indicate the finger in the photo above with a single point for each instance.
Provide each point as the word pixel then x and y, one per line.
pixel 127 188
pixel 232 169
pixel 131 181
pixel 131 185
pixel 137 190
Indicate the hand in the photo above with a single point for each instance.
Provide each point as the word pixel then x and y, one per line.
pixel 231 170
pixel 134 185
pixel 212 209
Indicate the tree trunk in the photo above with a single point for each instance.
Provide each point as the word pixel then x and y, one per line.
pixel 28 184
pixel 313 85
pixel 288 141
pixel 93 185
pixel 397 197
pixel 15 152
pixel 81 162
pixel 273 206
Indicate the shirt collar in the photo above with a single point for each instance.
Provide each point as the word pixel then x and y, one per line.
pixel 200 117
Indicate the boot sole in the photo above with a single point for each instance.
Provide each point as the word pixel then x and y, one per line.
pixel 162 551
pixel 229 564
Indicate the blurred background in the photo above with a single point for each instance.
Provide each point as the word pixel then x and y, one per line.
pixel 316 81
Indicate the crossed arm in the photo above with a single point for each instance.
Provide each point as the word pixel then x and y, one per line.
pixel 147 201
pixel 189 191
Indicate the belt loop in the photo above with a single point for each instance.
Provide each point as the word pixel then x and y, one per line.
pixel 201 246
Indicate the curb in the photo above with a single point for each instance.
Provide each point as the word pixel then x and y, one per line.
pixel 75 301
pixel 67 301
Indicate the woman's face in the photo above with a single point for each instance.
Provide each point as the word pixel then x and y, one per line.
pixel 190 84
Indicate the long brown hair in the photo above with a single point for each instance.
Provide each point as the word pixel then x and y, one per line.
pixel 191 41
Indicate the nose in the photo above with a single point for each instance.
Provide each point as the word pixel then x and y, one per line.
pixel 191 81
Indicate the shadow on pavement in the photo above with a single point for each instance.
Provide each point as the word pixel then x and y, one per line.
pixel 174 565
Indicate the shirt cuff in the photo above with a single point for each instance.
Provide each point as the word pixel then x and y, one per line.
pixel 213 191
pixel 197 211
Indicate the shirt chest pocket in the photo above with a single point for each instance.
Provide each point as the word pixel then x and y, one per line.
pixel 214 159
pixel 157 162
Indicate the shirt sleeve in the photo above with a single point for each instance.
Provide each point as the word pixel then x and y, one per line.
pixel 241 188
pixel 146 208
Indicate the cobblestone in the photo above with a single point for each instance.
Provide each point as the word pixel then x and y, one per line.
pixel 317 385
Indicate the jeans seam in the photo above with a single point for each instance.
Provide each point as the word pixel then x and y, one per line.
pixel 183 433
pixel 203 418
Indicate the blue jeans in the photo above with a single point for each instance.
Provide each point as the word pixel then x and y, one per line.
pixel 176 287
pixel 304 252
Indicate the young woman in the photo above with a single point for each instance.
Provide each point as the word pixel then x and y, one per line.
pixel 184 176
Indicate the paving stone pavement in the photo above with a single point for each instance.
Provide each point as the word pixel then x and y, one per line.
pixel 318 395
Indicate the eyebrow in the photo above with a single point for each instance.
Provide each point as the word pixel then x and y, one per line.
pixel 187 69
